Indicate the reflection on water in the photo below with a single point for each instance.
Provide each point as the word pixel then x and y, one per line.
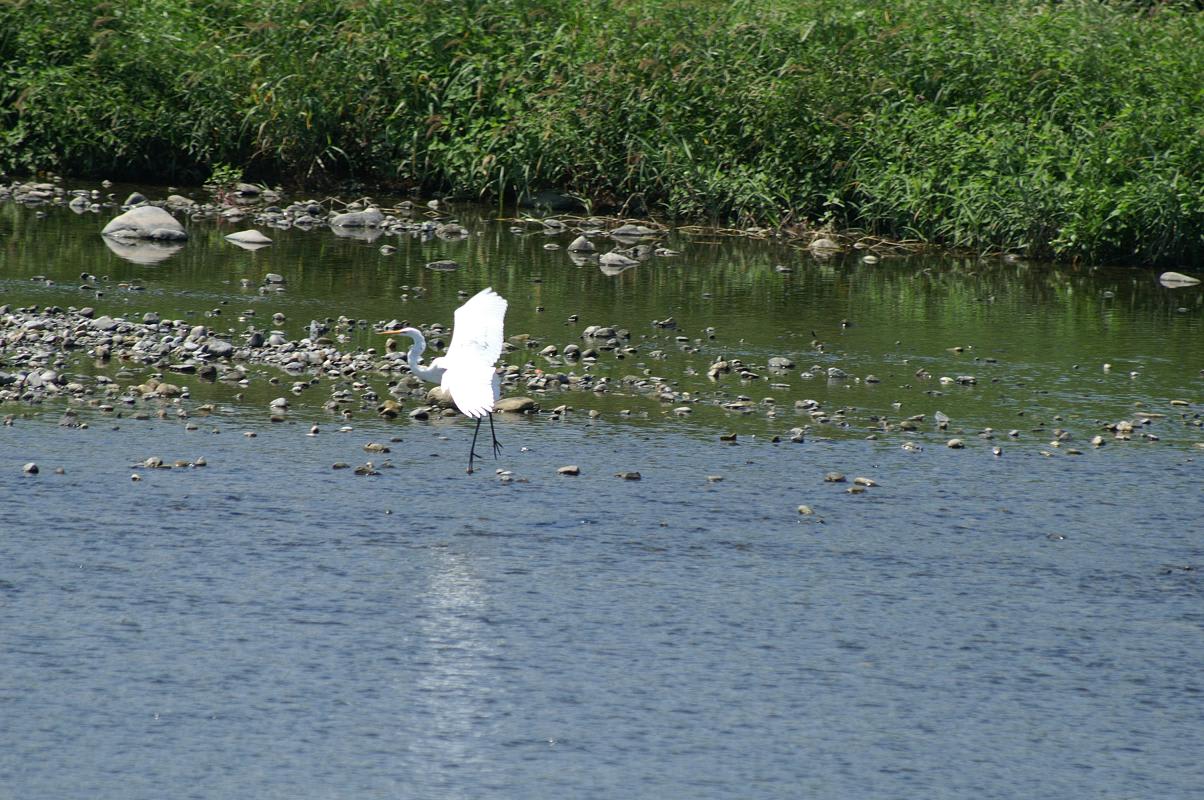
pixel 142 252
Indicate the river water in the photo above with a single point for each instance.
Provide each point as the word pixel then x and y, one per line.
pixel 975 625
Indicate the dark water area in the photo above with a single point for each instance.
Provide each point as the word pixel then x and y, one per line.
pixel 974 625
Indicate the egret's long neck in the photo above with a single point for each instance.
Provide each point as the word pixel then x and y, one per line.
pixel 415 356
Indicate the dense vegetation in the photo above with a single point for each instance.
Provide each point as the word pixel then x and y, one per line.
pixel 1071 129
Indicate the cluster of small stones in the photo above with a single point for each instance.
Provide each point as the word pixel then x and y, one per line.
pixel 36 343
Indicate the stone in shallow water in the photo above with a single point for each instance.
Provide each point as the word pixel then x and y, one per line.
pixel 145 222
pixel 515 405
pixel 1175 280
pixel 368 218
pixel 251 236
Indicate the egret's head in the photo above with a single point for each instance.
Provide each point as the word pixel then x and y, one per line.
pixel 411 332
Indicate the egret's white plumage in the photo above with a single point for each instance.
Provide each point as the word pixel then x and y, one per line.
pixel 468 367
pixel 467 370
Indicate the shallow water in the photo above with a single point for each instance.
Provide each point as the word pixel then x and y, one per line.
pixel 974 626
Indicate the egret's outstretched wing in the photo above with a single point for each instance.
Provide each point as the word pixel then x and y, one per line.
pixel 477 333
pixel 471 388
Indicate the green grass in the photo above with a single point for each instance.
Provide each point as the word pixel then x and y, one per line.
pixel 1072 130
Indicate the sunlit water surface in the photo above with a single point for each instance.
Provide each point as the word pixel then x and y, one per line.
pixel 1021 625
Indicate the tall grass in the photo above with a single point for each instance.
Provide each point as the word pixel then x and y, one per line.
pixel 1072 129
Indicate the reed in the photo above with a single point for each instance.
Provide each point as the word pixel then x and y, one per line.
pixel 1071 130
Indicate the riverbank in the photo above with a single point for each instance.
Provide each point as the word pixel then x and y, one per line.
pixel 1067 131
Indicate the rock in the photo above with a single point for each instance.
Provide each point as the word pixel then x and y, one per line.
pixel 806 510
pixel 368 218
pixel 614 259
pixel 451 230
pixel 865 481
pixel 219 348
pixel 273 277
pixel 571 469
pixel 633 231
pixel 145 222
pixel 1177 280
pixel 581 245
pixel 439 396
pixel 250 236
pixel 955 444
pixel 781 362
pixel 444 265
pixel 834 477
pixel 30 468
pixel 515 405
pixel 824 245
pixel 628 476
pixel 103 323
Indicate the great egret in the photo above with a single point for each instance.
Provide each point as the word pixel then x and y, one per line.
pixel 467 370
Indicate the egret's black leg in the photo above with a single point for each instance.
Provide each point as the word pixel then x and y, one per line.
pixel 472 451
pixel 497 446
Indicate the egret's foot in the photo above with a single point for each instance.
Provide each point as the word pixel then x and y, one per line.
pixel 497 448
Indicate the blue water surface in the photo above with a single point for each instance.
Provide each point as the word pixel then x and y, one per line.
pixel 266 626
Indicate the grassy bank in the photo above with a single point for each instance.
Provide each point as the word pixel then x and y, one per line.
pixel 1073 130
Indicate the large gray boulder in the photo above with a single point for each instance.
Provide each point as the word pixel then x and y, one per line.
pixel 145 222
pixel 368 218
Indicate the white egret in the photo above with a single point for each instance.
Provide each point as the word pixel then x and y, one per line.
pixel 467 370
